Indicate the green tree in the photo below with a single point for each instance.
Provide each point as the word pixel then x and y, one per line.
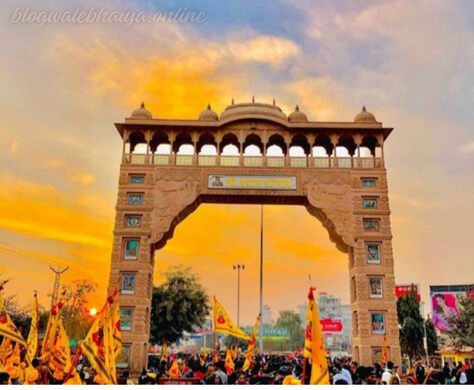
pixel 290 320
pixel 462 332
pixel 75 313
pixel 179 305
pixel 411 324
pixel 432 337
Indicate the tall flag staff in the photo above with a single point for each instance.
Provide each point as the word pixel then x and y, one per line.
pixel 261 278
pixel 33 336
pixel 314 345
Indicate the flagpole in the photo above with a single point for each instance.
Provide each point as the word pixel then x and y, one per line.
pixel 261 278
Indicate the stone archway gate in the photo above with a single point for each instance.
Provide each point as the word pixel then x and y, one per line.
pixel 349 195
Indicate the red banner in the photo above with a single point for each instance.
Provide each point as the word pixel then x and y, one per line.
pixel 402 289
pixel 331 326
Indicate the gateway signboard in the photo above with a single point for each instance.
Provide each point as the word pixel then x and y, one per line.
pixel 240 182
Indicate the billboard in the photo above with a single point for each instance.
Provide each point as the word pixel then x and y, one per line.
pixel 331 326
pixel 205 328
pixel 272 333
pixel 252 182
pixel 444 304
pixel 402 289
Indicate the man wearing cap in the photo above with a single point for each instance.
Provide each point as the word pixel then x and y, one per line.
pixel 390 370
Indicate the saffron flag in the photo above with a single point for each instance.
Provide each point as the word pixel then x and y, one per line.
pixel 174 370
pixel 251 347
pixel 32 341
pixel 6 350
pixel 61 354
pixel 51 331
pixel 229 362
pixel 314 344
pixel 223 323
pixel 7 328
pixel 104 340
pixel 384 350
pixel 164 353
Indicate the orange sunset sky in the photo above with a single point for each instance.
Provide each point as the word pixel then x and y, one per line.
pixel 63 86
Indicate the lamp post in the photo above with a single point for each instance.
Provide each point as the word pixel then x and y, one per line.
pixel 238 267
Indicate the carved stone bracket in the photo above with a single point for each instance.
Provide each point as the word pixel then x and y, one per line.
pixel 330 200
pixel 173 201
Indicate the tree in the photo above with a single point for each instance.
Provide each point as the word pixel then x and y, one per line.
pixel 290 320
pixel 462 332
pixel 20 315
pixel 75 313
pixel 432 337
pixel 411 324
pixel 179 305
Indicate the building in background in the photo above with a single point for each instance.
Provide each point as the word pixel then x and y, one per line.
pixel 336 321
pixel 267 318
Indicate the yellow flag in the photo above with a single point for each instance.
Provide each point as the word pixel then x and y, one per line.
pixel 251 347
pixel 104 340
pixel 61 355
pixel 223 323
pixel 7 328
pixel 174 371
pixel 384 350
pixel 33 335
pixel 6 350
pixel 51 330
pixel 229 362
pixel 314 344
pixel 164 353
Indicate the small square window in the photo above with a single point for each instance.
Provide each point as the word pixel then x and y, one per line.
pixel 371 225
pixel 369 182
pixel 377 321
pixel 126 316
pixel 127 286
pixel 131 249
pixel 370 203
pixel 123 357
pixel 137 179
pixel 135 199
pixel 133 220
pixel 375 288
pixel 373 253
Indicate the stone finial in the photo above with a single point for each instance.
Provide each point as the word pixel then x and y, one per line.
pixel 142 105
pixel 208 106
pixel 253 99
pixel 274 102
pixel 232 103
pixel 297 108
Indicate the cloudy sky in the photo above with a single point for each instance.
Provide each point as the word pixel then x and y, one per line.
pixel 63 85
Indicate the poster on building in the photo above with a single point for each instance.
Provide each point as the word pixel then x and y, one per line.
pixel 444 304
pixel 331 326
pixel 241 182
pixel 402 289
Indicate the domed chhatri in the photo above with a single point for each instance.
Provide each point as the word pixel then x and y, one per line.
pixel 208 115
pixel 249 109
pixel 365 117
pixel 297 116
pixel 141 113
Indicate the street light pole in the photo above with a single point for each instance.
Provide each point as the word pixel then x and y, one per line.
pixel 238 267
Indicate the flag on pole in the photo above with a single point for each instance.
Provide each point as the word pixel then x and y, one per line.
pixel 314 344
pixel 384 350
pixel 174 371
pixel 104 340
pixel 223 323
pixel 164 353
pixel 51 331
pixel 6 349
pixel 251 347
pixel 61 353
pixel 229 362
pixel 7 328
pixel 32 341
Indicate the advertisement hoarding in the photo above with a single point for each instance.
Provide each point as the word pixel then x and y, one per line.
pixel 331 326
pixel 402 289
pixel 444 304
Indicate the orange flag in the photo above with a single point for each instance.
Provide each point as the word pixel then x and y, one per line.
pixel 229 362
pixel 314 344
pixel 251 347
pixel 384 350
pixel 174 371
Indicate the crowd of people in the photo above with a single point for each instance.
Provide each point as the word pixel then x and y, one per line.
pixel 292 369
pixel 264 369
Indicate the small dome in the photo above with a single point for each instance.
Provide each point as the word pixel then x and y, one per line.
pixel 208 115
pixel 365 117
pixel 297 116
pixel 250 109
pixel 141 113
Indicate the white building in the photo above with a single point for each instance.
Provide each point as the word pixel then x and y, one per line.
pixel 267 318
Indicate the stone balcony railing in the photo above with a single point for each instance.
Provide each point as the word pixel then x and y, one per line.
pixel 251 161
